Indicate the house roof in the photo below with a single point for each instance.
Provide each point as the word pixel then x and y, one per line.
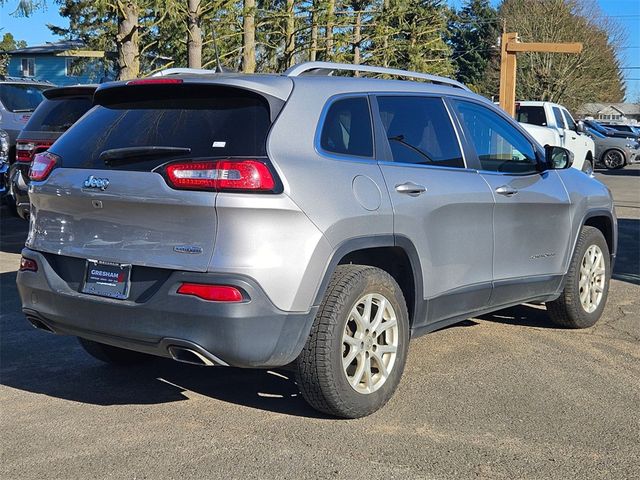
pixel 624 108
pixel 49 47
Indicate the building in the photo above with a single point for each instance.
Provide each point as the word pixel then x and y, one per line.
pixel 61 63
pixel 611 112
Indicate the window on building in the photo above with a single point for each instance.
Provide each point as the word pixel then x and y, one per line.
pixel 75 67
pixel 28 67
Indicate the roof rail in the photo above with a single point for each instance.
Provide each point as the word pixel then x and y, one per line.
pixel 327 68
pixel 177 71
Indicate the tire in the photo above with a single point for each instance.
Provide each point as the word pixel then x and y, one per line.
pixel 587 166
pixel 613 159
pixel 576 307
pixel 113 355
pixel 321 376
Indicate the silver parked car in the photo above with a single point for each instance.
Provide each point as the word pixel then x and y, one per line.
pixel 260 220
pixel 614 152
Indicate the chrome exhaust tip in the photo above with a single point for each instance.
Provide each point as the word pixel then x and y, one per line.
pixel 188 355
pixel 39 324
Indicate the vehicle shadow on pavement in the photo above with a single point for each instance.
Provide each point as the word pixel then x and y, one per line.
pixel 622 172
pixel 627 267
pixel 14 232
pixel 56 366
pixel 524 315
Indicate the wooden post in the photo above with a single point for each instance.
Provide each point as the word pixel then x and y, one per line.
pixel 508 75
pixel 509 47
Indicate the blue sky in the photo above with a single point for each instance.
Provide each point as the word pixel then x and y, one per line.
pixel 626 12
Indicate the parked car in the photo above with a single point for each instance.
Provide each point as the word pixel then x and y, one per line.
pixel 4 162
pixel 260 220
pixel 562 130
pixel 609 132
pixel 613 152
pixel 60 109
pixel 628 130
pixel 19 97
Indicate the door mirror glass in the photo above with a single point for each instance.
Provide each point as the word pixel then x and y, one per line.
pixel 558 158
pixel 581 126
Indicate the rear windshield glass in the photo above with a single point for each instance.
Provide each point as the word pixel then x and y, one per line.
pixel 59 114
pixel 532 115
pixel 218 123
pixel 17 97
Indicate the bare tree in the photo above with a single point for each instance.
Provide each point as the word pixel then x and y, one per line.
pixel 249 37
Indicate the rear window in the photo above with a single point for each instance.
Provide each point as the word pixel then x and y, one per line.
pixel 17 97
pixel 59 114
pixel 532 115
pixel 211 122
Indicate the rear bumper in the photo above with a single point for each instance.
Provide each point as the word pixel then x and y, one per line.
pixel 248 334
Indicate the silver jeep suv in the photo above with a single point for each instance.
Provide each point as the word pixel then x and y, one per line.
pixel 260 220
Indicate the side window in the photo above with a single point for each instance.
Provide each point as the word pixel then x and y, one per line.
pixel 499 145
pixel 347 128
pixel 419 131
pixel 558 115
pixel 570 123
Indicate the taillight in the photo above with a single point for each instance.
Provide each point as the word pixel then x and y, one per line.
pixel 212 293
pixel 225 175
pixel 25 149
pixel 42 165
pixel 28 265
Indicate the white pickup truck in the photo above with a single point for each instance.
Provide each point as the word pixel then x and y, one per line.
pixel 551 124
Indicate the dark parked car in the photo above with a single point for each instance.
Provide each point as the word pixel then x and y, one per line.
pixel 626 129
pixel 60 109
pixel 4 162
pixel 608 131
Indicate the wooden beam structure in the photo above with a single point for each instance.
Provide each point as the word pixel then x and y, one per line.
pixel 509 47
pixel 81 53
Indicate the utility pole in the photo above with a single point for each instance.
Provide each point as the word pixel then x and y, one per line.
pixel 509 47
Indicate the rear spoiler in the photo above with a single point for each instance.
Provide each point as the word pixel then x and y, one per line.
pixel 71 91
pixel 158 88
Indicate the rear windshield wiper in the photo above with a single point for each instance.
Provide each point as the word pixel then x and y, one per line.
pixel 123 156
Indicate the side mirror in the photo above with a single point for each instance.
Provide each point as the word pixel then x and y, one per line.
pixel 580 126
pixel 557 158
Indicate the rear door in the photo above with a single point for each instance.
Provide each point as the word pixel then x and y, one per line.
pixel 125 210
pixel 532 212
pixel 442 207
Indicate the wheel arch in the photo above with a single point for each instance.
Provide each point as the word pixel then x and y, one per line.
pixel 396 255
pixel 603 221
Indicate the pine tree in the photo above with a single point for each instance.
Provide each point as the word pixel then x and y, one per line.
pixel 474 35
pixel 410 35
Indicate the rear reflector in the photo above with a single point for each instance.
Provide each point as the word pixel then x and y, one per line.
pixel 42 165
pixel 213 293
pixel 154 81
pixel 238 175
pixel 28 265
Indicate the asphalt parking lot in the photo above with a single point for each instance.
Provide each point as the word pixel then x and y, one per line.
pixel 506 396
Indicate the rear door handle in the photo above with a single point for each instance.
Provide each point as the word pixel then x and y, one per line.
pixel 506 190
pixel 411 189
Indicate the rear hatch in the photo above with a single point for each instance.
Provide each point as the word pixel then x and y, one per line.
pixel 109 198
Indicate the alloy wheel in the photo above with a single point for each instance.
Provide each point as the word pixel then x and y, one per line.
pixel 592 278
pixel 370 343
